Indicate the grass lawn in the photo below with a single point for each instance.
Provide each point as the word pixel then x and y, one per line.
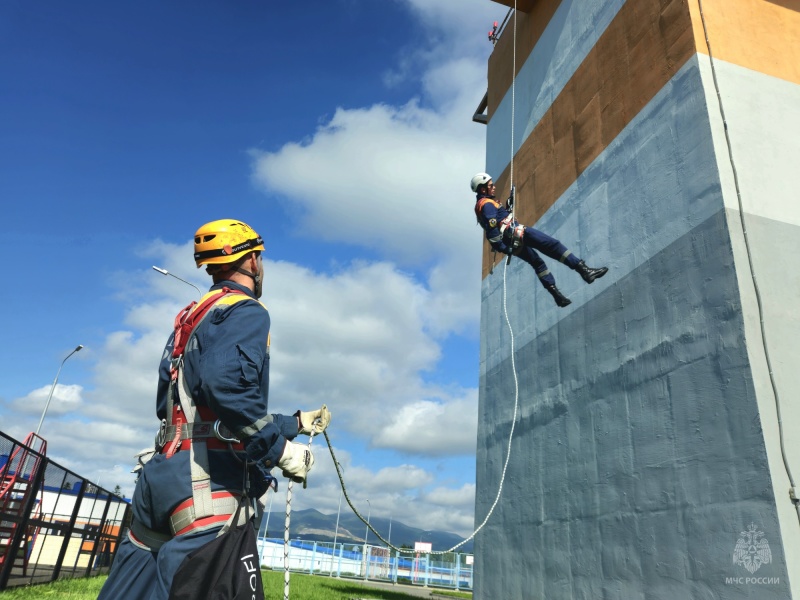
pixel 302 587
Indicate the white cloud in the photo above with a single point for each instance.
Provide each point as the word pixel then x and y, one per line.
pixel 390 179
pixel 65 399
pixel 433 428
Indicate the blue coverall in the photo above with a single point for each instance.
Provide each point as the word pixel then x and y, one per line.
pixel 490 215
pixel 227 370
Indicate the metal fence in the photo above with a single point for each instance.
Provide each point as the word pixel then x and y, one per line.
pixel 377 563
pixel 53 522
pixel 56 524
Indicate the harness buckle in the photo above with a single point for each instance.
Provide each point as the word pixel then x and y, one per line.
pixel 516 236
pixel 161 436
pixel 223 434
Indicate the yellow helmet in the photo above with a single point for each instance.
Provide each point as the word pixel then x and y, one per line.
pixel 224 241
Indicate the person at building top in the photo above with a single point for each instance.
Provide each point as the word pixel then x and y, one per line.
pixel 505 234
pixel 212 400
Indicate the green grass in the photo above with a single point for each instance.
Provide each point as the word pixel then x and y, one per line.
pixel 302 587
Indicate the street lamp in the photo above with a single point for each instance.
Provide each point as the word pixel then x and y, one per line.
pixel 53 387
pixel 366 533
pixel 390 531
pixel 165 272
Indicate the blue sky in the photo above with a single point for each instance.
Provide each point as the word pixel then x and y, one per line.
pixel 341 131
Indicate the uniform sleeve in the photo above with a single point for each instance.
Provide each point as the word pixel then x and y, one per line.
pixel 492 220
pixel 235 382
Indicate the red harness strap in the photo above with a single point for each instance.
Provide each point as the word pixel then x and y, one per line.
pixel 187 319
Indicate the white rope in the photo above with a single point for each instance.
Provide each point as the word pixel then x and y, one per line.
pixel 286 541
pixel 513 362
pixel 286 526
pixel 513 108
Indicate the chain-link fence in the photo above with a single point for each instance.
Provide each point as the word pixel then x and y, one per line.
pixel 53 522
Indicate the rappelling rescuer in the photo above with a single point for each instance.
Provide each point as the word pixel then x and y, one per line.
pixel 505 234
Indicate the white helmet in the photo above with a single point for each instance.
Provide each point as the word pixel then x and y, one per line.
pixel 479 179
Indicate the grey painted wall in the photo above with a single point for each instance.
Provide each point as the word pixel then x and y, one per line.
pixel 638 455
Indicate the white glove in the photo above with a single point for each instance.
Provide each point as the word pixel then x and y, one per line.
pixel 314 420
pixel 296 461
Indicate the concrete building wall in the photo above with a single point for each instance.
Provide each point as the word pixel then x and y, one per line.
pixel 647 437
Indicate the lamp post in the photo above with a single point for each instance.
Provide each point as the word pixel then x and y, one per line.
pixel 165 272
pixel 366 533
pixel 390 531
pixel 53 387
pixel 336 533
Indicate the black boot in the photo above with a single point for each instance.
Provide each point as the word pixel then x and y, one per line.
pixel 560 298
pixel 589 274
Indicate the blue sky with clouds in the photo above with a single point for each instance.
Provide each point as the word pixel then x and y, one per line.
pixel 341 131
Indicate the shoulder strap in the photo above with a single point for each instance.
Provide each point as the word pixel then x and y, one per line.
pixel 480 204
pixel 190 317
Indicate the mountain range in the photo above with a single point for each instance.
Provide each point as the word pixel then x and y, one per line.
pixel 310 524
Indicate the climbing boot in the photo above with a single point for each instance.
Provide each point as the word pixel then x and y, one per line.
pixel 560 298
pixel 589 274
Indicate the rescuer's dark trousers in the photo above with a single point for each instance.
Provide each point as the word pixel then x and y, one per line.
pixel 533 240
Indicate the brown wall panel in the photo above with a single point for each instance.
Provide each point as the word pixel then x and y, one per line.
pixel 642 48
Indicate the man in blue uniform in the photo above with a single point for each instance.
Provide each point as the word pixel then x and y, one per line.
pixel 212 403
pixel 506 235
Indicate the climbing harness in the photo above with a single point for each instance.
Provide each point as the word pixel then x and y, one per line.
pixel 182 430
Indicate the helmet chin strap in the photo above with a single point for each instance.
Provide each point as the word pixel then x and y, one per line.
pixel 256 280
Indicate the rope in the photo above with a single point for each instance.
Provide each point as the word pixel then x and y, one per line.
pixel 795 501
pixel 513 108
pixel 513 361
pixel 286 541
pixel 286 526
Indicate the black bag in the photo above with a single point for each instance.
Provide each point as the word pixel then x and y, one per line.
pixel 227 568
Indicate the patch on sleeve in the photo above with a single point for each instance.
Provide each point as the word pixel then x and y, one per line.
pixel 492 222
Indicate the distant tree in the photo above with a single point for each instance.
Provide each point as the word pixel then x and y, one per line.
pixel 117 490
